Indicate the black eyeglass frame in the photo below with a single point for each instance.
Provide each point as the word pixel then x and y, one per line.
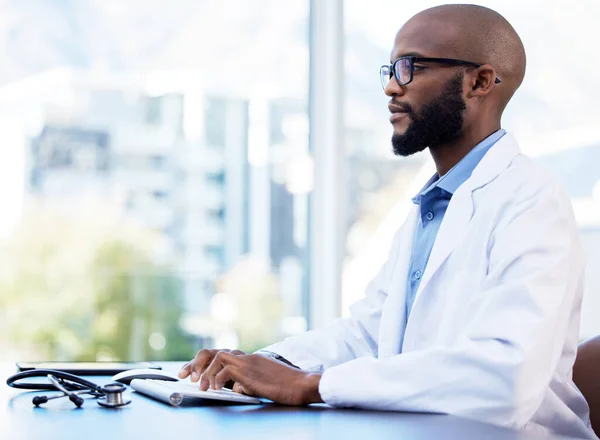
pixel 413 60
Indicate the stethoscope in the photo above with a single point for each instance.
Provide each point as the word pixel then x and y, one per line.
pixel 72 386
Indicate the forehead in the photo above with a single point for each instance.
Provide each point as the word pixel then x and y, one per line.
pixel 427 37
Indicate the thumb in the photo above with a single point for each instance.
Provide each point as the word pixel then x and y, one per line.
pixel 239 388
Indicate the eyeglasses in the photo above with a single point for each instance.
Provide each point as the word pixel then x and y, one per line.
pixel 403 68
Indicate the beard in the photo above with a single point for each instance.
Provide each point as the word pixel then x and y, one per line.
pixel 440 121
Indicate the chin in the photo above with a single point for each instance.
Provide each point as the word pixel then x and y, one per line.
pixel 399 131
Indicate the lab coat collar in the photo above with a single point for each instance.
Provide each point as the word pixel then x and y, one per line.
pixel 460 172
pixel 497 159
pixel 460 210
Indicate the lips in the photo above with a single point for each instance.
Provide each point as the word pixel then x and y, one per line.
pixel 397 112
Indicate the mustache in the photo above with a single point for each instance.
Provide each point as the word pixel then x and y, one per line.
pixel 402 106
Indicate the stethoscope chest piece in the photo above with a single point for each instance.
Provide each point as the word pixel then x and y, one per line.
pixel 113 396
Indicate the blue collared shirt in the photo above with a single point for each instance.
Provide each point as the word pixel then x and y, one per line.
pixel 433 200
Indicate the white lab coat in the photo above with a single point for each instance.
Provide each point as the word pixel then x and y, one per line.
pixel 494 327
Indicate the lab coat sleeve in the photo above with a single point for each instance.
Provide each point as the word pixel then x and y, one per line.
pixel 501 366
pixel 347 338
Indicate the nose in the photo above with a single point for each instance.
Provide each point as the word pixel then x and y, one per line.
pixel 393 88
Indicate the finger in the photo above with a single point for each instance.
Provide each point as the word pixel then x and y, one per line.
pixel 204 382
pixel 215 369
pixel 201 361
pixel 184 371
pixel 205 361
pixel 221 377
pixel 238 388
pixel 190 367
pixel 237 352
pixel 220 361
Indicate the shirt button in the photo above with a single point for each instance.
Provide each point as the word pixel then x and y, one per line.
pixel 418 275
pixel 429 215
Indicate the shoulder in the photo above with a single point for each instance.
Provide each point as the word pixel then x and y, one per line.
pixel 527 193
pixel 525 178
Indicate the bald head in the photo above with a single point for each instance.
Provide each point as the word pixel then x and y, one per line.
pixel 473 33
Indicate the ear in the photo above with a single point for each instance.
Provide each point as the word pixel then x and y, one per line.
pixel 483 81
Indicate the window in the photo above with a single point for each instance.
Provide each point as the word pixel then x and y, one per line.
pixel 215 122
pixel 140 194
pixel 153 110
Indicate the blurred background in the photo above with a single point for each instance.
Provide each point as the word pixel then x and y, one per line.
pixel 156 170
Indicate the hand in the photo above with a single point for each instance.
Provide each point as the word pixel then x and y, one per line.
pixel 259 375
pixel 196 367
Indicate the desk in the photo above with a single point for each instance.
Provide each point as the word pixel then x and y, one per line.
pixel 145 418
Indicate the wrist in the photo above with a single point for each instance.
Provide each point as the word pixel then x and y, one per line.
pixel 311 388
pixel 275 357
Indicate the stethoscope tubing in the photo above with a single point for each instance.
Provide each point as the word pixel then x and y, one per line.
pixel 70 386
pixel 69 381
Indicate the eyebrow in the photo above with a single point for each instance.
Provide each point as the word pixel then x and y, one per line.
pixel 409 54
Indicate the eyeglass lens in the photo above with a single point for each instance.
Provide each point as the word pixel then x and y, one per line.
pixel 403 71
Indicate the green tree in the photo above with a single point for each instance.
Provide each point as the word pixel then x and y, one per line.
pixel 88 287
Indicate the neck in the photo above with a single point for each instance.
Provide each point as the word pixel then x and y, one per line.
pixel 447 155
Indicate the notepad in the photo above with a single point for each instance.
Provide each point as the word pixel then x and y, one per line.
pixel 175 393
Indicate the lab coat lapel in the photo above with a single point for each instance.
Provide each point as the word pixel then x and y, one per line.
pixel 452 231
pixel 455 224
pixel 393 316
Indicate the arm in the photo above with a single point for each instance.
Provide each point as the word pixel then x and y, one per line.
pixel 500 369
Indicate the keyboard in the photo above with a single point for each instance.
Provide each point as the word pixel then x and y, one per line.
pixel 174 393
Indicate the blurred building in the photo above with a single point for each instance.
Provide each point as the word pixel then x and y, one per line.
pixel 220 176
pixel 168 155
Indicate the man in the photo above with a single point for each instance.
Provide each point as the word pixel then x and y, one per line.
pixel 476 311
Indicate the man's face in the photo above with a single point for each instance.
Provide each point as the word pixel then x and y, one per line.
pixel 438 121
pixel 430 110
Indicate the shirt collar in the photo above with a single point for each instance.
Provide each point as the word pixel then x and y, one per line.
pixel 454 178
